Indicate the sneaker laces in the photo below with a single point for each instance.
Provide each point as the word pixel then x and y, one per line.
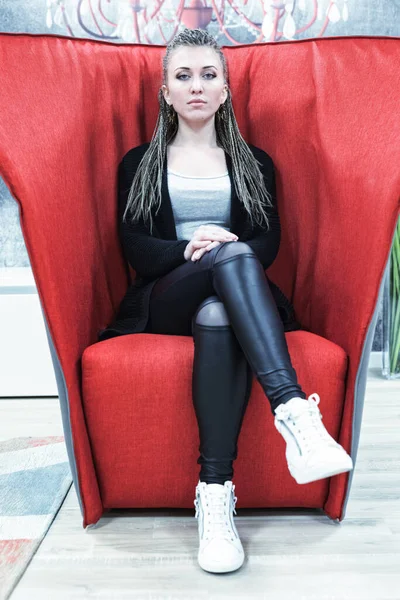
pixel 217 519
pixel 307 421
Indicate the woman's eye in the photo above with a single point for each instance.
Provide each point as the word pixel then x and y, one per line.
pixel 185 74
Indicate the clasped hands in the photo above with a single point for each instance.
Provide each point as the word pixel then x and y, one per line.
pixel 205 238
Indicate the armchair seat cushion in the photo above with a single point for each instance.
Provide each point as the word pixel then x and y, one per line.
pixel 132 382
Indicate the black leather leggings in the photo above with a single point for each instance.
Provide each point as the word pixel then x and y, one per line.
pixel 225 302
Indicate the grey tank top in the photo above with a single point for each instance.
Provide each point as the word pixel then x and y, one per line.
pixel 199 201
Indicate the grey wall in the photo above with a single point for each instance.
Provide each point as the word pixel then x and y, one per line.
pixel 370 17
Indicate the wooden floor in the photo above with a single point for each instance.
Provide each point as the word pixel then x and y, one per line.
pixel 290 554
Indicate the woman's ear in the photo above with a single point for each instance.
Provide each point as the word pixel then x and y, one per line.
pixel 164 91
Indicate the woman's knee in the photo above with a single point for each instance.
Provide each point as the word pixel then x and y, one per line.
pixel 211 313
pixel 230 249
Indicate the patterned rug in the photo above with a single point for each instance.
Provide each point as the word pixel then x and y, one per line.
pixel 34 479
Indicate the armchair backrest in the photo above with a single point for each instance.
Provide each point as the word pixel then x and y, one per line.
pixel 326 110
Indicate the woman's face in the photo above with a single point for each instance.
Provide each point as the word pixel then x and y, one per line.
pixel 195 81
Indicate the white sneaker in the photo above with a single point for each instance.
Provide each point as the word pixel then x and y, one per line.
pixel 311 452
pixel 220 548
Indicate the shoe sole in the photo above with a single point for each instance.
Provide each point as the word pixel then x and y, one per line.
pixel 318 473
pixel 217 567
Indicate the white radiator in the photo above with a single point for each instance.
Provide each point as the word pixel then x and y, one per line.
pixel 26 368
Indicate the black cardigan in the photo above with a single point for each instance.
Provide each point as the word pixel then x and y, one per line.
pixel 152 256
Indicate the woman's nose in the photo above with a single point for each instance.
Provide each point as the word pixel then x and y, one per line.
pixel 197 85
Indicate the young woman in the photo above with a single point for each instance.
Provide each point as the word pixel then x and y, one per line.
pixel 199 224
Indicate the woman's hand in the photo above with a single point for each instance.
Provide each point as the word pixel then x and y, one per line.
pixel 199 253
pixel 205 238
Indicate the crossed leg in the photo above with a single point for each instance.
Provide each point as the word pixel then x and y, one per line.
pixel 224 301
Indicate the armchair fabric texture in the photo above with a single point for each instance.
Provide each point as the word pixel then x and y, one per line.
pixel 326 110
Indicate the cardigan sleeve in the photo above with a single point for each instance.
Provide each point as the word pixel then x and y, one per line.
pixel 148 255
pixel 265 242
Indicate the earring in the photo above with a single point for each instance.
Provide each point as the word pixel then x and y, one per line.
pixel 171 114
pixel 223 113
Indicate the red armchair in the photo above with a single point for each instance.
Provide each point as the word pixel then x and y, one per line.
pixel 327 112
